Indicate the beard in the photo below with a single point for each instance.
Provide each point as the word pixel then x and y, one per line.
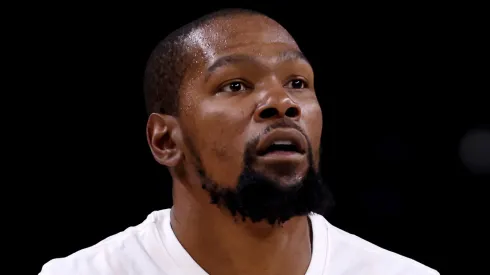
pixel 259 198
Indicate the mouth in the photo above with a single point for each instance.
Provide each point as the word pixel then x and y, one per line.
pixel 282 142
pixel 282 147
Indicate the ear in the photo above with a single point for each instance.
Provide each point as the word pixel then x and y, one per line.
pixel 164 137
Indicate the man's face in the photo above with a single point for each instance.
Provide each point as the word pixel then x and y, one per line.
pixel 248 105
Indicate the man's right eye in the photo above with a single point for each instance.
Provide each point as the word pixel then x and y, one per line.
pixel 234 86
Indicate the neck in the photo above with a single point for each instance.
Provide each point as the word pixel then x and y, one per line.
pixel 221 244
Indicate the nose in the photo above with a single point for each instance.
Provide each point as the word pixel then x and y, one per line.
pixel 277 105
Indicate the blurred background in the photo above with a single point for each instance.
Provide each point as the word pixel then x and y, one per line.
pixel 406 128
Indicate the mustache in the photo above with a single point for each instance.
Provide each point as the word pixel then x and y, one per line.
pixel 283 123
pixel 250 156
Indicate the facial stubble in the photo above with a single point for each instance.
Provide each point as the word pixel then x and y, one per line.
pixel 257 197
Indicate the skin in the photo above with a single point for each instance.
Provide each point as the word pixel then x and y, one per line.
pixel 218 119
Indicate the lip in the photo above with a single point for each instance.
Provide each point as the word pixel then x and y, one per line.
pixel 292 135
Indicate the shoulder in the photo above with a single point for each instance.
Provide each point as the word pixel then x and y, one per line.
pixel 114 255
pixel 350 254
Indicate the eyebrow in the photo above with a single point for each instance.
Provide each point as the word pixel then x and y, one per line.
pixel 239 58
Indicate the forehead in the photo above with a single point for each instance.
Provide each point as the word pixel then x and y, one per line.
pixel 253 35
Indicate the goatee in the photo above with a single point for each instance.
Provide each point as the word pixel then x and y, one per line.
pixel 259 198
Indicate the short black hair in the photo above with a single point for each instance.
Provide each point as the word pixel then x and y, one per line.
pixel 167 65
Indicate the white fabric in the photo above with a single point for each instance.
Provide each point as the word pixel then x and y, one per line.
pixel 151 248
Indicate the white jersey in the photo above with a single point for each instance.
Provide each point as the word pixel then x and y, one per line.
pixel 151 248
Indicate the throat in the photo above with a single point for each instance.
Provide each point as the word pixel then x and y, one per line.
pixel 310 229
pixel 225 246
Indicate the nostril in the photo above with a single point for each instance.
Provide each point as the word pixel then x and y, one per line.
pixel 292 112
pixel 268 113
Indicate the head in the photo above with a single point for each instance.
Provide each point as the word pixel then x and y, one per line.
pixel 234 113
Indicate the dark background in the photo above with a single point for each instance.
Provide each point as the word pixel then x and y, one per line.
pixel 399 87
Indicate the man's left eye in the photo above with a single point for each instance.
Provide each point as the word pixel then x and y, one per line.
pixel 296 84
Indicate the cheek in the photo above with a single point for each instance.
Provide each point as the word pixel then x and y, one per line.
pixel 313 123
pixel 223 126
pixel 220 132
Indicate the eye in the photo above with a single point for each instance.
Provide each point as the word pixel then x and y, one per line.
pixel 297 84
pixel 235 86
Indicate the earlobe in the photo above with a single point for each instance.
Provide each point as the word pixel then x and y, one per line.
pixel 161 132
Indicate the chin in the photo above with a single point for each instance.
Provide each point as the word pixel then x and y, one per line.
pixel 288 181
pixel 287 176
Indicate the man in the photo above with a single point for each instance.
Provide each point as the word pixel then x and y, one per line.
pixel 235 118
